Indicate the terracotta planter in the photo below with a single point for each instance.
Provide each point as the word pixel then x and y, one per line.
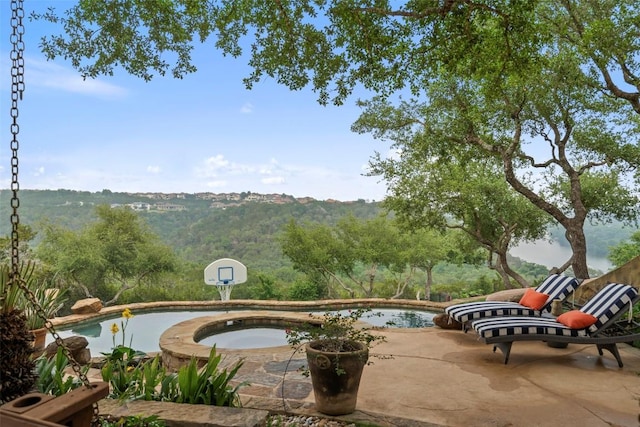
pixel 336 387
pixel 39 340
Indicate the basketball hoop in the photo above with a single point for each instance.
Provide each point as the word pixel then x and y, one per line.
pixel 225 290
pixel 224 274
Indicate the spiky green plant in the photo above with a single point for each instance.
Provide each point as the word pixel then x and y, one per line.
pixel 208 385
pixel 52 378
pixel 16 365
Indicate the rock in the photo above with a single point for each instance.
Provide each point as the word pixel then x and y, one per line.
pixel 446 322
pixel 513 295
pixel 587 290
pixel 629 274
pixel 87 306
pixel 76 345
pixel 83 356
pixel 186 415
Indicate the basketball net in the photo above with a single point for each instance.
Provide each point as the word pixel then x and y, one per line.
pixel 225 290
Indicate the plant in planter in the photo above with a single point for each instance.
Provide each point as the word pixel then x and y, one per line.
pixel 19 321
pixel 337 347
pixel 50 301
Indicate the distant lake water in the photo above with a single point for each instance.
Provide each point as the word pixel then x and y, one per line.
pixel 554 255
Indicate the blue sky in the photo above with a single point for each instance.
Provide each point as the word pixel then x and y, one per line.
pixel 205 132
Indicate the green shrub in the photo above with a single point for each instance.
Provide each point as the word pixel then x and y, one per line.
pixel 53 380
pixel 132 421
pixel 150 381
pixel 304 290
pixel 132 378
pixel 208 386
pixel 51 376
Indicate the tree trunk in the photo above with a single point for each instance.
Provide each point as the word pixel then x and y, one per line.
pixel 506 272
pixel 503 274
pixel 576 238
pixel 428 283
pixel 574 226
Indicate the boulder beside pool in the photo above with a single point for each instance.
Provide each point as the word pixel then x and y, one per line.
pixel 445 322
pixel 76 345
pixel 87 306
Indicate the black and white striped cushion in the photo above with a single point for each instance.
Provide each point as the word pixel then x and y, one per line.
pixel 556 286
pixel 479 310
pixel 607 302
pixel 507 326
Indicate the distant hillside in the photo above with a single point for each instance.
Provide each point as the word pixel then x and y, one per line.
pixel 206 226
pixel 199 227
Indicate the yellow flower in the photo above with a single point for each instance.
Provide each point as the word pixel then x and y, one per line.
pixel 127 314
pixel 114 329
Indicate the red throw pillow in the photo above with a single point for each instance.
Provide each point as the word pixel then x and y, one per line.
pixel 576 319
pixel 533 299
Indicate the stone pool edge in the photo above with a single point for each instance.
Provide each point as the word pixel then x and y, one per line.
pixel 338 304
pixel 178 343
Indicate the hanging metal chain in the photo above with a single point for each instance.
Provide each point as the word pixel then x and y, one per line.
pixel 17 90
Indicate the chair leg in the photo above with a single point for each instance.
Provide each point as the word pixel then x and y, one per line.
pixel 613 349
pixel 505 348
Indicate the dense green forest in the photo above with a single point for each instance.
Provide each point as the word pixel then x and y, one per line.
pixel 200 230
pixel 198 233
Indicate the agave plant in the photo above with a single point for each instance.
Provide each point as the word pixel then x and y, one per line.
pixel 50 301
pixel 16 365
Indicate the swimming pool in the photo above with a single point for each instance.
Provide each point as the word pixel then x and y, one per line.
pixel 143 330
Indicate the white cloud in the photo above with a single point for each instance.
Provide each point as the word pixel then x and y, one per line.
pixel 216 165
pixel 216 184
pixel 274 173
pixel 50 75
pixel 273 167
pixel 247 108
pixel 153 169
pixel 39 171
pixel 273 180
pixel 216 162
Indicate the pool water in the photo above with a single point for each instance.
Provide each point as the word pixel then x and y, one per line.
pixel 142 332
pixel 242 339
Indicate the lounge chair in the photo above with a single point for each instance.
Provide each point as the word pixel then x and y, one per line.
pixel 554 287
pixel 594 323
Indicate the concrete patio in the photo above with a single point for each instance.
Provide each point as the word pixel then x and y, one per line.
pixel 441 377
pixel 447 378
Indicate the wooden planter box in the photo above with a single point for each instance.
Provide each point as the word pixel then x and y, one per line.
pixel 73 409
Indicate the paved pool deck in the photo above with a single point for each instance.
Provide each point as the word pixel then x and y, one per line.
pixel 439 377
pixel 443 377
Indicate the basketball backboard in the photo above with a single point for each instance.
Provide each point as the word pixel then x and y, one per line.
pixel 225 271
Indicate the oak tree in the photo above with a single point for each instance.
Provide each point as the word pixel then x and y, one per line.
pixel 105 258
pixel 549 89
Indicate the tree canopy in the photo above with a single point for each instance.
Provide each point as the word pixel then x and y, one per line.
pixel 550 90
pixel 370 257
pixel 469 196
pixel 107 257
pixel 626 251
